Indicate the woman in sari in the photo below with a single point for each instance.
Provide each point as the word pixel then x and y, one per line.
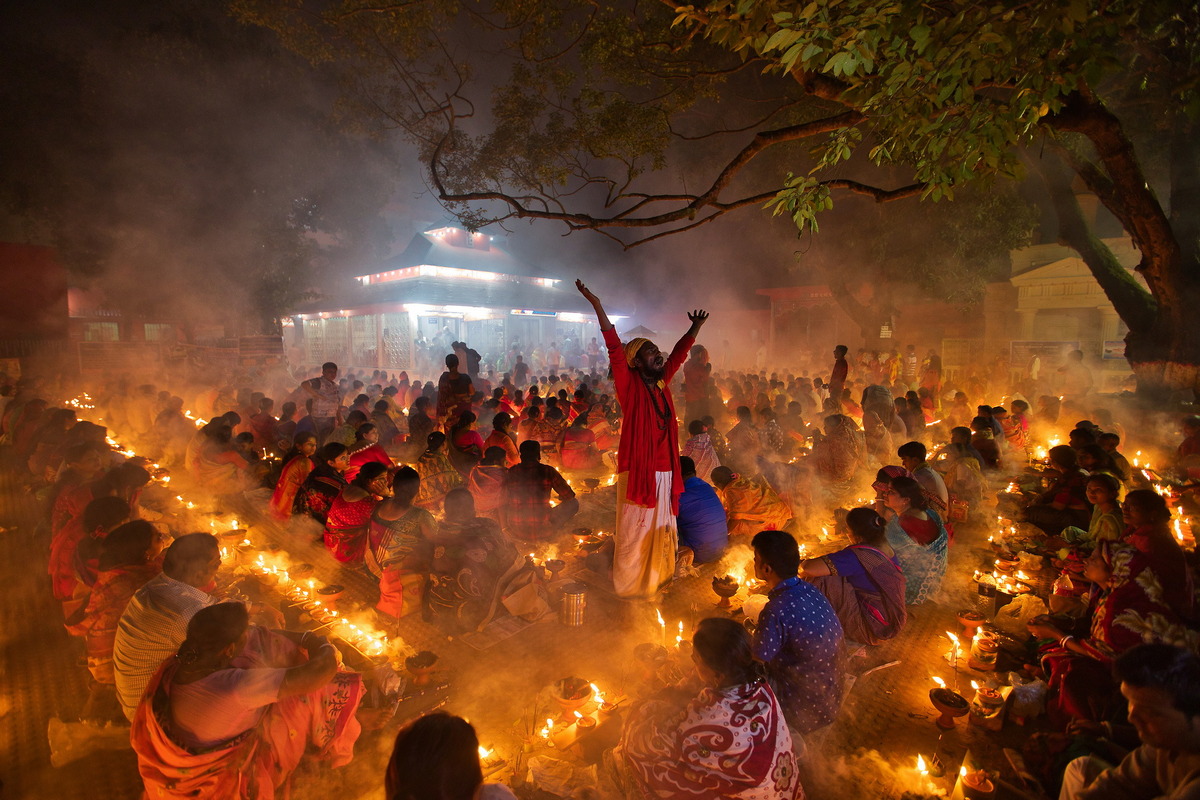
pixel 919 539
pixel 219 467
pixel 486 483
pixel 699 448
pixel 350 513
pixel 436 757
pixel 234 711
pixel 326 481
pixel 1107 523
pixel 420 425
pixel 400 546
pixel 47 449
pixel 502 437
pixel 838 456
pixel 965 484
pixel 1147 521
pixel 465 445
pixel 471 561
pixel 579 446
pixel 729 741
pixel 438 475
pixel 1065 502
pixel 366 450
pixel 863 582
pixel 878 439
pixel 751 504
pixel 1128 608
pixel 297 465
pixel 129 558
pixel 113 499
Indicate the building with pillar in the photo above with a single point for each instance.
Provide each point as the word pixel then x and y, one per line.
pixel 1051 304
pixel 448 285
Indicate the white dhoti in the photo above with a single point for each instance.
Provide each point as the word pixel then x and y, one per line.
pixel 646 540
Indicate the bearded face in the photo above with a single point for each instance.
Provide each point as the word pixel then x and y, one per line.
pixel 650 361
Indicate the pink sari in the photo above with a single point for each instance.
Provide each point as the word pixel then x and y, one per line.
pixel 256 764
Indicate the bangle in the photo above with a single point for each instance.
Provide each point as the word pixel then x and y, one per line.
pixel 304 638
pixel 1063 641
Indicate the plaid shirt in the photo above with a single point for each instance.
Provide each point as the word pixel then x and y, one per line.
pixel 526 495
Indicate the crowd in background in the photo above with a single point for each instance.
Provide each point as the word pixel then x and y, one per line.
pixel 435 483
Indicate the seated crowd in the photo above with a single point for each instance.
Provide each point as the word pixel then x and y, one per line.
pixel 436 492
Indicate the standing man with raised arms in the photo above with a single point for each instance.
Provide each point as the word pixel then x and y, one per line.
pixel 648 478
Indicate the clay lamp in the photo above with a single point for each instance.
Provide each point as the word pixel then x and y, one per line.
pixel 420 666
pixel 301 572
pixel 555 566
pixel 984 651
pixel 976 785
pixel 987 696
pixel 245 552
pixel 571 694
pixel 1006 565
pixel 232 538
pixel 330 592
pixel 584 723
pixel 970 621
pixel 591 484
pixel 582 534
pixel 949 704
pixel 649 657
pixel 725 588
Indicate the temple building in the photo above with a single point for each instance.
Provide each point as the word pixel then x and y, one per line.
pixel 448 284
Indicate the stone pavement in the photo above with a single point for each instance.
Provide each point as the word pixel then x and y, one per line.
pixel 500 689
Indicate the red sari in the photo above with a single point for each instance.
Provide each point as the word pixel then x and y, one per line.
pixel 486 485
pixel 63 577
pixel 105 605
pixel 505 442
pixel 346 526
pixel 283 500
pixel 579 449
pixel 366 455
pixel 257 763
pixel 1132 610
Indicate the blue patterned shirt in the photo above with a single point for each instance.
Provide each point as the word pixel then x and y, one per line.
pixel 799 638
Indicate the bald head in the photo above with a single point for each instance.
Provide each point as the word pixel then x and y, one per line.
pixel 193 559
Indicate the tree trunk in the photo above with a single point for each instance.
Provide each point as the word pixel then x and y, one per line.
pixel 1163 354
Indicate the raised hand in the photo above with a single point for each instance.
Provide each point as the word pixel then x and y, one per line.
pixel 698 317
pixel 585 291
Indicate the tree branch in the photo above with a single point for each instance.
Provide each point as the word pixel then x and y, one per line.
pixel 1139 209
pixel 692 204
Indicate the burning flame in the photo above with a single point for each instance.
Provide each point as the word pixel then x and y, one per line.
pixel 921 768
pixel 661 622
pixel 962 771
pixel 975 685
pixel 941 683
pixel 484 753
